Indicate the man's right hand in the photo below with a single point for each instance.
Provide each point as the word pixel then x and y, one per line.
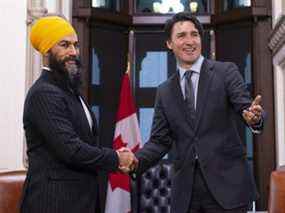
pixel 253 114
pixel 127 160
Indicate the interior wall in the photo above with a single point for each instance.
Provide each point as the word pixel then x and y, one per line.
pixel 12 81
pixel 20 68
pixel 278 10
pixel 279 71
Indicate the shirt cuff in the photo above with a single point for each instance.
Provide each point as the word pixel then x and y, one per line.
pixel 256 128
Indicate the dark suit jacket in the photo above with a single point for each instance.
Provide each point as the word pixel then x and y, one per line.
pixel 214 137
pixel 63 153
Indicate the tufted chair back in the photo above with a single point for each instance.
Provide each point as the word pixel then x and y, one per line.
pixel 154 189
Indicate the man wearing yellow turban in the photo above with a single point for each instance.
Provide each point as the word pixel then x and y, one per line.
pixel 61 133
pixel 47 31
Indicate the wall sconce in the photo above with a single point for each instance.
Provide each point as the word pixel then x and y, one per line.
pixel 98 3
pixel 166 6
pixel 193 6
pixel 247 3
pixel 156 7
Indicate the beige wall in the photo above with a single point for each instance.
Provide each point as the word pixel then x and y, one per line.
pixel 20 66
pixel 12 81
pixel 279 95
pixel 278 9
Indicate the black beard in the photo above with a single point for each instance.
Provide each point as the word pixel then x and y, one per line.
pixel 70 74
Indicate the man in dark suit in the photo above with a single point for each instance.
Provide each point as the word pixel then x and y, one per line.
pixel 194 116
pixel 64 154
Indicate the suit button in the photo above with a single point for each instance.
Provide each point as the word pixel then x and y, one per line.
pixel 196 139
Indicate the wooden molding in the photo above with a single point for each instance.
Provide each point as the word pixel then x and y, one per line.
pixel 161 19
pixel 103 15
pixel 125 19
pixel 277 37
pixel 240 14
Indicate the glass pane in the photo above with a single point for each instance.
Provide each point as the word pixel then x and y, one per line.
pixel 96 110
pixel 95 73
pixel 231 4
pixel 153 69
pixel 145 115
pixel 172 6
pixel 249 144
pixel 248 133
pixel 153 63
pixel 247 70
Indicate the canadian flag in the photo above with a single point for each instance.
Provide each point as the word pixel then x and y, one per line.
pixel 127 134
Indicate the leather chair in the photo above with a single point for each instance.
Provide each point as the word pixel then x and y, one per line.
pixel 151 194
pixel 277 191
pixel 11 184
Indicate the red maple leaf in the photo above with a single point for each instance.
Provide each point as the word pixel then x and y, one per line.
pixel 119 143
pixel 119 180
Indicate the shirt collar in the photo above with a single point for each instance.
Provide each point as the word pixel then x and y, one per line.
pixel 46 68
pixel 196 67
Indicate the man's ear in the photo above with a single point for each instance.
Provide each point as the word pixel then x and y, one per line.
pixel 46 58
pixel 169 44
pixel 47 54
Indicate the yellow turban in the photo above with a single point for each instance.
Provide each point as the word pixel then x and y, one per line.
pixel 49 30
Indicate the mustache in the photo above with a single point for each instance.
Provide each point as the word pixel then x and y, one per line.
pixel 75 59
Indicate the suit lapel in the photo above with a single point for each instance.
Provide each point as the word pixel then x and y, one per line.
pixel 205 80
pixel 179 99
pixel 94 121
pixel 51 78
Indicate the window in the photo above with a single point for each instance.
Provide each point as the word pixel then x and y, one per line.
pixel 153 65
pixel 108 64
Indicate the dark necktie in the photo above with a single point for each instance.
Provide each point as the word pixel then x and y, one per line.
pixel 189 94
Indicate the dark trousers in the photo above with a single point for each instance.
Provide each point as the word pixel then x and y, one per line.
pixel 202 200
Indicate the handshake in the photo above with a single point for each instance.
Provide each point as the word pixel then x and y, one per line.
pixel 127 160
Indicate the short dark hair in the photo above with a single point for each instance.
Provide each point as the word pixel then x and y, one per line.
pixel 182 16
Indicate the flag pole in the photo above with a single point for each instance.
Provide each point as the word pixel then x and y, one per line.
pixel 128 65
pixel 130 51
pixel 127 134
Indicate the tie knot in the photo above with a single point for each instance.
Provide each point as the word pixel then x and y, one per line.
pixel 188 74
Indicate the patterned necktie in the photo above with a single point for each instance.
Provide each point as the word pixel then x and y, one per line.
pixel 189 94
